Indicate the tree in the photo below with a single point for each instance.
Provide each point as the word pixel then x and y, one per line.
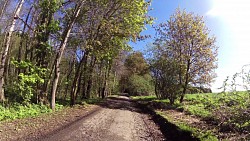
pixel 3 4
pixel 62 46
pixel 186 40
pixel 7 46
pixel 80 38
pixel 165 72
pixel 104 29
pixel 136 80
pixel 136 63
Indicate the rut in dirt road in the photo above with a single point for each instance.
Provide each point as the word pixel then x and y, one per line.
pixel 117 120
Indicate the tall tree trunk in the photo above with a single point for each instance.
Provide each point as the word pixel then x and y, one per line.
pixel 65 38
pixel 6 48
pixel 22 40
pixel 106 76
pixel 90 81
pixel 76 82
pixel 71 67
pixel 186 81
pixel 84 87
pixel 3 8
pixel 100 80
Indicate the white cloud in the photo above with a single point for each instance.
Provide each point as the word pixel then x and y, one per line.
pixel 235 15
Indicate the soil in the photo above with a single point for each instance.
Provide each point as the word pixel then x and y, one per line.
pixel 203 125
pixel 115 119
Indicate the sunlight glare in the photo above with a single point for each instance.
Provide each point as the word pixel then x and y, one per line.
pixel 234 15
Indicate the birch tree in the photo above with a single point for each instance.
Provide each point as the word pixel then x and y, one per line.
pixel 7 45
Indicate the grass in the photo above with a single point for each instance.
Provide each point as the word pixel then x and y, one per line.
pixel 202 135
pixel 197 109
pixel 19 111
pixel 144 98
pixel 227 108
pixel 202 105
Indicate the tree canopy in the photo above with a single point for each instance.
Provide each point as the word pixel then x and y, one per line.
pixel 183 53
pixel 65 49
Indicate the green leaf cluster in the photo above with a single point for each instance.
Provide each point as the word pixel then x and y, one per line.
pixel 17 111
pixel 23 88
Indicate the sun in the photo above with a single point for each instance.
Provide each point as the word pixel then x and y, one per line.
pixel 235 13
pixel 234 18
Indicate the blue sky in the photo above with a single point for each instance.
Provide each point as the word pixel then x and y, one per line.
pixel 229 22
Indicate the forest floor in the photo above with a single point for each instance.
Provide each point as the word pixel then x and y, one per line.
pixel 114 119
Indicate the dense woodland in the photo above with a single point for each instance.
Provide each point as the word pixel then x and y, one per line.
pixel 59 49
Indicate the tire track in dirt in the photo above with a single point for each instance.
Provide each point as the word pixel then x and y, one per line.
pixel 118 119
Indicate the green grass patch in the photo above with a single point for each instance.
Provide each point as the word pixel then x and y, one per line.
pixel 198 110
pixel 202 135
pixel 18 111
pixel 212 106
pixel 144 98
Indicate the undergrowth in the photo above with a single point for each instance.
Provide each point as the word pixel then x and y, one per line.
pixel 18 111
pixel 202 135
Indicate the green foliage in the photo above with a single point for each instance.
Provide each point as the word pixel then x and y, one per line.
pixel 136 79
pixel 183 54
pixel 231 109
pixel 144 98
pixel 136 64
pixel 17 111
pixel 202 135
pixel 166 75
pixel 140 85
pixel 22 89
pixel 100 32
pixel 47 25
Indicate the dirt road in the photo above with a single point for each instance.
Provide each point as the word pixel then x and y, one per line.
pixel 117 120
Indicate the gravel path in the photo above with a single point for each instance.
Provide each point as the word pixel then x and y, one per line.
pixel 117 120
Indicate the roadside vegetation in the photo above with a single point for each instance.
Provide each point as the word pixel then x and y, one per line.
pixel 215 115
pixel 19 111
pixel 56 52
pixel 203 135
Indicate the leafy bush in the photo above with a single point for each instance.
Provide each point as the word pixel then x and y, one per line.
pixel 165 73
pixel 140 85
pixel 22 89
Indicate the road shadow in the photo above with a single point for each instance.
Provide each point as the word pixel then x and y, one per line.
pixel 170 131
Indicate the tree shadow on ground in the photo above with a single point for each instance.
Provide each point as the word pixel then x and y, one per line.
pixel 170 131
